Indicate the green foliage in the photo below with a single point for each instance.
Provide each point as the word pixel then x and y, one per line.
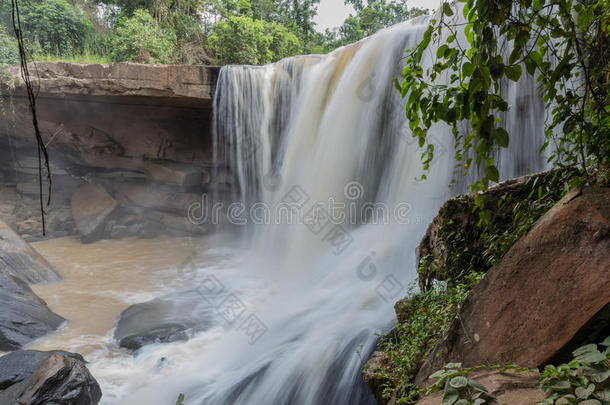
pixel 563 43
pixel 476 234
pixel 240 40
pixel 140 39
pixel 51 27
pixel 243 40
pixel 585 380
pixel 284 43
pixel 457 388
pixel 9 54
pixel 424 319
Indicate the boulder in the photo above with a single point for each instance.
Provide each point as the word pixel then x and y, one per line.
pixel 548 295
pixel 453 242
pixel 91 207
pixel 18 259
pixel 24 316
pixel 156 197
pixel 376 375
pixel 503 386
pixel 30 377
pixel 169 318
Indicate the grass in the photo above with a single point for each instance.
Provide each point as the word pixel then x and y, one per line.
pixel 84 58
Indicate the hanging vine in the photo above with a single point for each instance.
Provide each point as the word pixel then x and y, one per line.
pixel 43 156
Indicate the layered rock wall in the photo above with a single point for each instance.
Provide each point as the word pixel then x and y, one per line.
pixel 118 126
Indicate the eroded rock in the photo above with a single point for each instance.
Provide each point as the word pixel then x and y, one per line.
pixel 549 294
pixel 169 318
pixel 91 207
pixel 30 377
pixel 18 259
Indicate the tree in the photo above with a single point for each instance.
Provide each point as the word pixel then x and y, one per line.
pixel 369 18
pixel 51 27
pixel 284 43
pixel 9 55
pixel 247 41
pixel 563 43
pixel 240 40
pixel 140 39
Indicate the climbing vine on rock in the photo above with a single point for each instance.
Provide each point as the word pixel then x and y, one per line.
pixel 563 43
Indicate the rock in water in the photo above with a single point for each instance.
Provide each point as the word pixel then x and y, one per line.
pixel 91 207
pixel 24 316
pixel 169 318
pixel 547 296
pixel 30 377
pixel 17 258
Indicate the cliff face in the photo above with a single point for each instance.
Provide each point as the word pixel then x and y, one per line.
pixel 113 125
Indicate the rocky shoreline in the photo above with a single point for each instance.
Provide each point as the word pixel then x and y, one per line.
pixel 546 297
pixel 136 134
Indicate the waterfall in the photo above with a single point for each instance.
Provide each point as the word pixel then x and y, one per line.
pixel 326 171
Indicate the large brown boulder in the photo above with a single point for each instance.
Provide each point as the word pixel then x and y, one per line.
pixel 546 296
pixel 30 377
pixel 91 207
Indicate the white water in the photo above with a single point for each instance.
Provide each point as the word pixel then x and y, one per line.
pixel 333 127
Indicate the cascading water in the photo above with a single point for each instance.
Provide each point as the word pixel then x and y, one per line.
pixel 326 170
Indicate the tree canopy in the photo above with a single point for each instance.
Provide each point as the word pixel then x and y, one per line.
pixel 563 44
pixel 187 31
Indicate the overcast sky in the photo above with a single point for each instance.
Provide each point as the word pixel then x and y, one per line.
pixel 331 13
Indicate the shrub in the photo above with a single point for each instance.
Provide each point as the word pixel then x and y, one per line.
pixel 9 54
pixel 140 39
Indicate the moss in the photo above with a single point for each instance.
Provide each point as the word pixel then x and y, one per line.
pixel 460 246
pixel 473 233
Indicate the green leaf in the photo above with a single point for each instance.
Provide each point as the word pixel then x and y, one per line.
pixel 603 395
pixel 453 365
pixel 477 386
pixel 492 173
pixel 606 342
pixel 450 396
pixel 447 10
pixel 513 72
pixel 458 382
pixel 588 354
pixel 584 393
pixel 439 374
pixel 590 402
pixel 468 69
pixel 501 137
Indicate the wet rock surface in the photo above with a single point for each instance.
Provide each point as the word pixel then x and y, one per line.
pixel 140 127
pixel 30 377
pixel 24 317
pixel 548 295
pixel 91 207
pixel 18 259
pixel 170 318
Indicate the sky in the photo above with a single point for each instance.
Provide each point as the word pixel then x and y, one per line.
pixel 331 13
